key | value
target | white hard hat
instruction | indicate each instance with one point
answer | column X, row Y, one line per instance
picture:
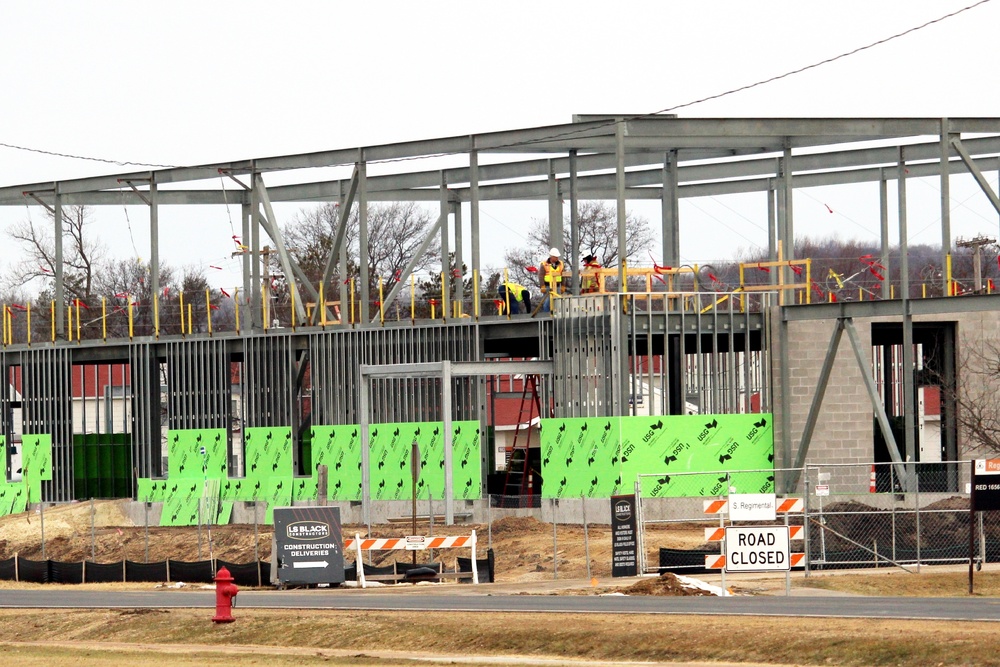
column 554, row 252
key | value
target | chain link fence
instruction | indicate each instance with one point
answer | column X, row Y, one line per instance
column 853, row 515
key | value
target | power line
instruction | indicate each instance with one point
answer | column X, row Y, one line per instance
column 568, row 133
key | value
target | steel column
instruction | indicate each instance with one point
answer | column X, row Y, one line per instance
column 474, row 229
column 363, row 265
column 154, row 238
column 57, row 218
column 555, row 213
column 883, row 208
column 620, row 201
column 909, row 409
column 945, row 204
column 670, row 211
column 445, row 241
column 574, row 225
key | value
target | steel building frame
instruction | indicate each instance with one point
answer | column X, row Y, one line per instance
column 616, row 158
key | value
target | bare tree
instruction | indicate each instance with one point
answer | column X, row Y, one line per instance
column 395, row 232
column 976, row 395
column 82, row 254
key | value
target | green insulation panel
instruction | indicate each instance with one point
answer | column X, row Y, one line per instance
column 268, row 452
column 601, row 457
column 13, row 495
column 185, row 459
column 36, row 456
column 390, row 447
column 339, row 449
column 269, row 468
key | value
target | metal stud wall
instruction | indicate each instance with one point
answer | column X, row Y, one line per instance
column 268, row 376
column 658, row 355
column 148, row 411
column 199, row 386
column 47, row 408
column 586, row 344
column 335, row 359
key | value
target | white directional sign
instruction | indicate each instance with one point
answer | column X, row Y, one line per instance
column 752, row 506
column 757, row 549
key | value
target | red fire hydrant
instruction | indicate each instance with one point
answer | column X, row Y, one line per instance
column 225, row 591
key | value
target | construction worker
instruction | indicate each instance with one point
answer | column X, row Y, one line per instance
column 551, row 278
column 516, row 295
column 589, row 282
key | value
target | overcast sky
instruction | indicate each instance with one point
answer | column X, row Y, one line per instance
column 193, row 82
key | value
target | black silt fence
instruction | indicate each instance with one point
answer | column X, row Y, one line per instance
column 196, row 571
column 247, row 574
column 65, row 573
column 57, row 572
column 151, row 572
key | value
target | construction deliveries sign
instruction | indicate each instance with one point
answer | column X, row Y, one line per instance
column 602, row 456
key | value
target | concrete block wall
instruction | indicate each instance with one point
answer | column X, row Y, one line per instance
column 845, row 428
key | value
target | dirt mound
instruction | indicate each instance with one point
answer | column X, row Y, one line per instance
column 666, row 584
column 517, row 525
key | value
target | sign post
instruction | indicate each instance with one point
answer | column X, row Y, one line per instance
column 985, row 496
column 308, row 545
column 624, row 552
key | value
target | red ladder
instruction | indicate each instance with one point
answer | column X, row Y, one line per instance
column 518, row 482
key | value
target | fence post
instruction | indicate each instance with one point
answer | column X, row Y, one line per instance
column 586, row 536
column 555, row 542
column 93, row 538
column 805, row 519
column 917, row 506
column 489, row 521
column 41, row 523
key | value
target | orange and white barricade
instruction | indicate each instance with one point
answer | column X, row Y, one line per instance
column 411, row 543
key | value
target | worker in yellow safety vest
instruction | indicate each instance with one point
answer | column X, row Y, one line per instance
column 517, row 295
column 551, row 273
column 589, row 282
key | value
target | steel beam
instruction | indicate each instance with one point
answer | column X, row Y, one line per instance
column 412, row 264
column 291, row 269
column 866, row 377
column 338, row 241
column 817, row 403
column 976, row 172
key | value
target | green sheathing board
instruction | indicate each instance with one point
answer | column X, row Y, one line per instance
column 599, row 457
column 185, row 460
column 391, row 475
column 193, row 479
column 268, row 452
column 36, row 464
column 269, row 469
column 13, row 495
column 339, row 449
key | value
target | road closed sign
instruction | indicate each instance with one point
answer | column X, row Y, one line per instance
column 308, row 545
column 757, row 549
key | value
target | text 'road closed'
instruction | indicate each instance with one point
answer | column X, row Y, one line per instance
column 757, row 549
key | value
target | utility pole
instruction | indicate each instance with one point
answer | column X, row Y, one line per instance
column 976, row 244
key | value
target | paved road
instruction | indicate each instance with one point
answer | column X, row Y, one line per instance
column 955, row 609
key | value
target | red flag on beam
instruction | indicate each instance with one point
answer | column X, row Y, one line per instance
column 225, row 293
